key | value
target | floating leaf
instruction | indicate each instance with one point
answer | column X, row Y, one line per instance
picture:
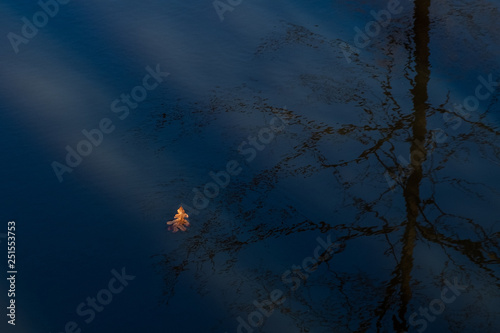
column 180, row 221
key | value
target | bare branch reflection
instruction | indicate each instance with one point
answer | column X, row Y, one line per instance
column 346, row 297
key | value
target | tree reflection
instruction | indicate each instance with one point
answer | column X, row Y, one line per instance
column 360, row 301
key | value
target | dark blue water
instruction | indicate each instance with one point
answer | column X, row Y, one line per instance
column 340, row 175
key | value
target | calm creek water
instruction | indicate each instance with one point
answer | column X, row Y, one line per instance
column 339, row 162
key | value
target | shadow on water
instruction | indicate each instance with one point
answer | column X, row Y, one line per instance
column 433, row 241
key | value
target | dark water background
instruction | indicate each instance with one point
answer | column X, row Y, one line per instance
column 374, row 155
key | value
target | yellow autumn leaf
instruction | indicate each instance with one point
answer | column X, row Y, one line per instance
column 180, row 221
